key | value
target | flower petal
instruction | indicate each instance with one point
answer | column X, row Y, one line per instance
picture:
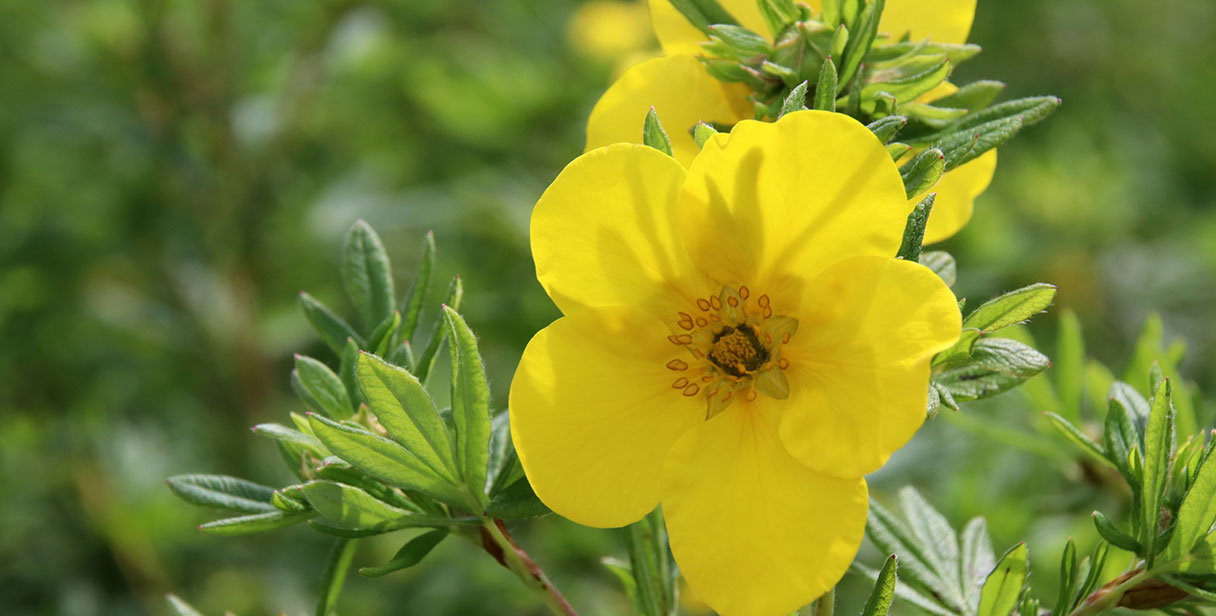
column 680, row 91
column 956, row 193
column 603, row 233
column 943, row 21
column 677, row 36
column 859, row 365
column 752, row 529
column 772, row 199
column 593, row 413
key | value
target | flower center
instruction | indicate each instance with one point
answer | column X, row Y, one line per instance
column 735, row 342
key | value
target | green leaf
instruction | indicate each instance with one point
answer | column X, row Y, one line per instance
column 368, row 275
column 1113, row 535
column 1068, row 580
column 1121, row 439
column 702, row 132
column 222, row 492
column 1004, row 584
column 330, row 327
column 1026, row 110
column 965, row 146
column 996, row 365
column 1135, row 404
column 859, row 43
column 931, row 115
column 285, row 501
column 973, row 96
column 942, row 264
column 825, row 91
column 338, row 471
column 1011, row 308
column 385, row 460
column 414, row 300
column 334, row 576
column 347, row 372
column 426, row 362
column 349, row 507
column 703, row 13
column 922, row 172
column 285, row 434
column 181, row 608
column 796, row 101
column 886, row 128
column 910, row 80
column 653, row 134
column 503, row 467
column 409, row 555
column 1070, row 365
column 977, row 559
column 916, row 563
column 516, row 501
column 831, row 14
column 1158, row 440
column 880, row 599
column 624, row 574
column 470, row 404
column 741, row 40
column 407, row 413
column 381, row 339
column 914, row 230
column 1078, row 438
column 777, row 14
column 320, row 388
column 254, row 523
column 1197, row 514
column 650, row 564
column 933, row 532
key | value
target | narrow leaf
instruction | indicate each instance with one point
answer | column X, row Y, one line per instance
column 914, row 230
column 320, row 388
column 409, row 555
column 880, row 599
column 368, row 275
column 334, row 575
column 1158, row 437
column 222, row 492
column 1011, row 308
column 796, row 101
column 330, row 327
column 470, row 404
column 405, row 410
column 653, row 134
column 825, row 91
column 703, row 13
column 415, row 299
column 349, row 507
column 254, row 523
column 1004, row 584
column 1113, row 535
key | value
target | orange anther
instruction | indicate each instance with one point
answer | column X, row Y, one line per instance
column 680, row 339
column 766, row 311
column 676, row 364
column 680, row 383
column 707, row 378
column 684, row 316
column 701, row 322
column 783, row 363
column 750, row 395
column 763, row 301
column 743, row 292
column 691, row 390
column 703, row 303
column 785, row 339
column 716, row 302
column 733, row 301
column 685, row 324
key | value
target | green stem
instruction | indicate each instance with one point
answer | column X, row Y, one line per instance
column 497, row 541
column 1008, row 435
column 826, row 604
column 335, row 575
column 646, row 543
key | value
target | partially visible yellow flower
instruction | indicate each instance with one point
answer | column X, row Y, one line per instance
column 738, row 343
column 613, row 31
column 683, row 93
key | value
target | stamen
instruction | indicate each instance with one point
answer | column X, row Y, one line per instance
column 783, row 363
column 743, row 292
column 703, row 304
column 680, row 383
column 680, row 339
column 691, row 390
column 676, row 364
column 764, row 301
column 750, row 395
column 701, row 322
column 716, row 302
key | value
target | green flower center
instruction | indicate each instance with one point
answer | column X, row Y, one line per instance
column 737, row 351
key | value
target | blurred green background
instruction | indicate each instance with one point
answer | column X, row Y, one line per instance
column 173, row 172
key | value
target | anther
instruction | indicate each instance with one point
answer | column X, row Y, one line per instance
column 783, row 363
column 676, row 364
column 716, row 302
column 701, row 322
column 763, row 301
column 684, row 316
column 680, row 383
column 744, row 292
column 691, row 390
column 687, row 325
column 680, row 339
column 785, row 339
column 703, row 304
column 734, row 303
column 766, row 311
column 707, row 378
column 750, row 395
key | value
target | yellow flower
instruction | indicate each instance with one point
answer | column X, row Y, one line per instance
column 683, row 93
column 613, row 31
column 738, row 343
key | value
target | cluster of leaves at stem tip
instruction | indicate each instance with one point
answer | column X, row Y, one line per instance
column 373, row 454
column 837, row 60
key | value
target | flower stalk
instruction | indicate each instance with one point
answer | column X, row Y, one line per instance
column 499, row 544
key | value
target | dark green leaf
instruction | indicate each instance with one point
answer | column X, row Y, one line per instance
column 1068, row 580
column 381, row 339
column 222, row 492
column 368, row 275
column 1004, row 584
column 503, row 467
column 254, row 523
column 703, row 13
column 1078, row 438
column 349, row 507
column 922, row 172
column 409, row 555
column 777, row 14
column 859, row 43
column 942, row 264
column 886, row 128
column 1158, row 437
column 426, row 362
column 414, row 300
column 879, row 602
column 1011, row 308
column 1197, row 514
column 825, row 91
column 515, row 502
column 1113, row 535
column 796, row 101
column 914, row 230
column 320, row 388
column 334, row 576
column 330, row 327
column 470, row 404
column 653, row 134
column 973, row 96
column 740, row 39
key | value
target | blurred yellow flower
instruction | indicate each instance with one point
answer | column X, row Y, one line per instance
column 737, row 344
column 613, row 31
column 683, row 93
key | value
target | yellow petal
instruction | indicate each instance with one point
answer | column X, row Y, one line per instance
column 609, row 29
column 859, row 365
column 593, row 413
column 680, row 91
column 752, row 529
column 603, row 233
column 956, row 193
column 677, row 36
column 775, row 203
column 943, row 21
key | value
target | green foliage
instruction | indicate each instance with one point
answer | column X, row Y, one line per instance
column 653, row 134
column 914, row 230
